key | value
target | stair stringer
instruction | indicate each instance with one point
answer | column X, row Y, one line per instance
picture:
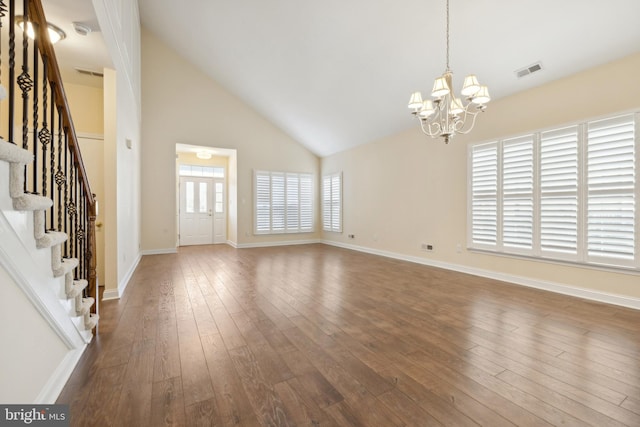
column 31, row 271
column 26, row 254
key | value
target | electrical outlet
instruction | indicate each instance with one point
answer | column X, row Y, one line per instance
column 352, row 236
column 426, row 247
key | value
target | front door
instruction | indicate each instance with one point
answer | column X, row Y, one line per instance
column 196, row 211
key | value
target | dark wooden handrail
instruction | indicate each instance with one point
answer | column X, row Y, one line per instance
column 36, row 15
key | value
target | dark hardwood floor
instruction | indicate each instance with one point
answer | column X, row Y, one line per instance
column 319, row 336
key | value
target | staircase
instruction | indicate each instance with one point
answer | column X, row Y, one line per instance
column 71, row 292
column 47, row 209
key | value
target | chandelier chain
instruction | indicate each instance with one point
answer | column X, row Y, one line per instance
column 448, row 69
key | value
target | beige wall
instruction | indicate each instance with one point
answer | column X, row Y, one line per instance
column 120, row 27
column 182, row 105
column 31, row 352
column 408, row 189
column 87, row 108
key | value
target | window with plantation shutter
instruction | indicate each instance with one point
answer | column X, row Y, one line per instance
column 332, row 202
column 484, row 195
column 263, row 202
column 283, row 202
column 566, row 194
column 559, row 192
column 278, row 213
column 611, row 189
column 306, row 202
column 517, row 192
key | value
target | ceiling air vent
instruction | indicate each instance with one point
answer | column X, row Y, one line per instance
column 529, row 70
column 89, row 72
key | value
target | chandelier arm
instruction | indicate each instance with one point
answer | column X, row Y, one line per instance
column 430, row 128
column 464, row 121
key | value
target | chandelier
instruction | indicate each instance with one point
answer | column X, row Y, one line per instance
column 447, row 115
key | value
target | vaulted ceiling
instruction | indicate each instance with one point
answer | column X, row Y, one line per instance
column 338, row 73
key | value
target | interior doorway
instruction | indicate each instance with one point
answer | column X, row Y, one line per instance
column 205, row 195
column 92, row 149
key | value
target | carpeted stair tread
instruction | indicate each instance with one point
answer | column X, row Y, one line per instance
column 85, row 306
column 50, row 239
column 13, row 154
column 91, row 321
column 66, row 266
column 76, row 288
column 31, row 202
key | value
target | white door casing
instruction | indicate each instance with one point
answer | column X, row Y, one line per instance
column 92, row 148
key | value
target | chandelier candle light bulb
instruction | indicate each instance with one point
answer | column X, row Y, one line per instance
column 447, row 115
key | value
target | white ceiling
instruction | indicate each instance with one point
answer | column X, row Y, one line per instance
column 76, row 51
column 338, row 73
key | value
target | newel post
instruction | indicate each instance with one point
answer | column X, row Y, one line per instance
column 91, row 255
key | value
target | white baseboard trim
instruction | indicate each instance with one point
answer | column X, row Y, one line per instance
column 110, row 294
column 160, row 251
column 270, row 244
column 232, row 244
column 604, row 297
column 52, row 389
column 117, row 293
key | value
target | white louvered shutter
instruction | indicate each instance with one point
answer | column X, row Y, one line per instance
column 517, row 190
column 278, row 202
column 484, row 195
column 326, row 203
column 611, row 180
column 332, row 202
column 559, row 192
column 293, row 201
column 336, row 202
column 306, row 202
column 262, row 202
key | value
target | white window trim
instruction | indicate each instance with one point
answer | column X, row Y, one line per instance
column 582, row 257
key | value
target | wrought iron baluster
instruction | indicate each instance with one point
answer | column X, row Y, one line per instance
column 3, row 13
column 78, row 242
column 26, row 84
column 52, row 164
column 60, row 177
column 65, row 211
column 44, row 135
column 35, row 118
column 85, row 224
column 71, row 209
column 12, row 69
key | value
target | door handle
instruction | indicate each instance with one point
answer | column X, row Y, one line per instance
column 209, row 212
